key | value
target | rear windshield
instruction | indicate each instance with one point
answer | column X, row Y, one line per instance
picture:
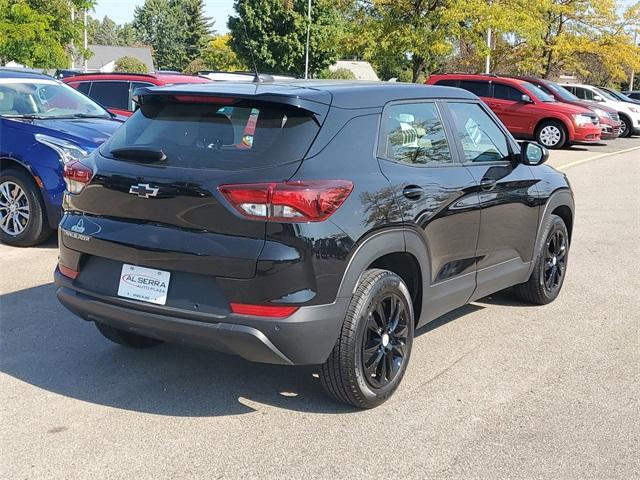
column 216, row 136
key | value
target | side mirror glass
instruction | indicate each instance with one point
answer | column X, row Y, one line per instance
column 526, row 99
column 534, row 153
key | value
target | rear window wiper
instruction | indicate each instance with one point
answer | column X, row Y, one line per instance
column 142, row 154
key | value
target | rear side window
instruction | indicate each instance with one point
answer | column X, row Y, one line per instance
column 448, row 83
column 582, row 93
column 505, row 92
column 482, row 140
column 413, row 133
column 481, row 89
column 244, row 135
column 111, row 94
column 81, row 87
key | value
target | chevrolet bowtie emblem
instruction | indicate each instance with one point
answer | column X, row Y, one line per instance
column 143, row 190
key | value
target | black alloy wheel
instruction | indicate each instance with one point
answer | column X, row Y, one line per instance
column 384, row 341
column 555, row 261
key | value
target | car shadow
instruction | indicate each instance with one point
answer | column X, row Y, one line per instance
column 46, row 346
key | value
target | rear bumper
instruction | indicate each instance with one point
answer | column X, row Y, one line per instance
column 305, row 338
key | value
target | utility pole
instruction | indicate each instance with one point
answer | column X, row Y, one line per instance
column 487, row 63
column 306, row 62
column 85, row 40
column 633, row 71
column 73, row 53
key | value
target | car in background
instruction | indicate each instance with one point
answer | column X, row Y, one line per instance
column 115, row 90
column 635, row 94
column 222, row 76
column 45, row 127
column 629, row 113
column 527, row 111
column 619, row 95
column 610, row 124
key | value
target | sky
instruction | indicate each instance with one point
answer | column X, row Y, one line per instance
column 121, row 11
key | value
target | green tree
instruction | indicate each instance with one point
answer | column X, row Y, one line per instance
column 40, row 33
column 106, row 33
column 196, row 29
column 218, row 55
column 130, row 65
column 276, row 32
column 337, row 74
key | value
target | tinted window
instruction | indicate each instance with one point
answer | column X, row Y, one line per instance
column 634, row 95
column 538, row 92
column 134, row 85
column 482, row 140
column 582, row 93
column 82, row 87
column 413, row 133
column 448, row 83
column 246, row 134
column 481, row 89
column 505, row 92
column 111, row 94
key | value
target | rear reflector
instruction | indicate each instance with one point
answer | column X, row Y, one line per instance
column 76, row 176
column 68, row 272
column 299, row 201
column 262, row 310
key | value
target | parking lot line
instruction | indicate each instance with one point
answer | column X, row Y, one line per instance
column 596, row 157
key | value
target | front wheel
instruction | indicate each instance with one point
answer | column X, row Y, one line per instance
column 371, row 355
column 550, row 269
column 625, row 126
column 551, row 134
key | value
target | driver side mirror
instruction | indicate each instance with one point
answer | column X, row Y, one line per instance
column 532, row 153
column 526, row 98
column 598, row 98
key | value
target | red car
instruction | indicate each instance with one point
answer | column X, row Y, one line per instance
column 527, row 111
column 114, row 90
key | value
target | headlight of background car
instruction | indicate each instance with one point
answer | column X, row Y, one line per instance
column 581, row 120
column 68, row 151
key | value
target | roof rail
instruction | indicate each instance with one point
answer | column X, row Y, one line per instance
column 80, row 74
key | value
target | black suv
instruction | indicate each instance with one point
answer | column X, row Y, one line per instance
column 307, row 223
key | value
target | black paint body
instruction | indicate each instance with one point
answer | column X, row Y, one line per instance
column 455, row 243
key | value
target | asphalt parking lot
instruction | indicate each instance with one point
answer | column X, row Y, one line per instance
column 495, row 390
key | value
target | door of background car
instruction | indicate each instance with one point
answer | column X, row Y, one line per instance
column 112, row 94
column 507, row 197
column 437, row 197
column 506, row 102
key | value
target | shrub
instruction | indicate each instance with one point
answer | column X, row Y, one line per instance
column 338, row 74
column 130, row 65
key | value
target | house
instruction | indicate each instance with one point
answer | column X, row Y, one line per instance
column 105, row 56
column 362, row 70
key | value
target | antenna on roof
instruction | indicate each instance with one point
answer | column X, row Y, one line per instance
column 256, row 78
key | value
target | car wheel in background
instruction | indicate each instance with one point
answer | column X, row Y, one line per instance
column 23, row 221
column 126, row 339
column 372, row 352
column 549, row 272
column 551, row 134
column 625, row 126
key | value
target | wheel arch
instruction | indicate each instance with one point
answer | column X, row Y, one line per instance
column 568, row 128
column 9, row 162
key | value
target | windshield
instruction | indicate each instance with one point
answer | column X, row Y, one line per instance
column 622, row 96
column 563, row 93
column 538, row 92
column 606, row 95
column 247, row 134
column 21, row 98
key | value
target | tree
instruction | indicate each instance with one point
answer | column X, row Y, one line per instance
column 177, row 30
column 337, row 74
column 106, row 33
column 276, row 33
column 218, row 55
column 40, row 33
column 130, row 65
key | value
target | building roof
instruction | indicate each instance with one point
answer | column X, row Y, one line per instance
column 362, row 70
column 103, row 55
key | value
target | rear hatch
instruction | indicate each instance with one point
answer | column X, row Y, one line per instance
column 153, row 199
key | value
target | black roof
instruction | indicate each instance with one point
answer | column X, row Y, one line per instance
column 19, row 73
column 343, row 94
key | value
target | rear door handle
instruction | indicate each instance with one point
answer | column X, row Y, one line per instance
column 487, row 183
column 413, row 192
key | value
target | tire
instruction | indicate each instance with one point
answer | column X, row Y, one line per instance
column 363, row 343
column 128, row 339
column 552, row 134
column 19, row 196
column 625, row 128
column 551, row 260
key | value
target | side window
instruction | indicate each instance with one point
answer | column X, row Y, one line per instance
column 505, row 92
column 134, row 85
column 481, row 89
column 83, row 87
column 448, row 83
column 482, row 140
column 111, row 94
column 413, row 133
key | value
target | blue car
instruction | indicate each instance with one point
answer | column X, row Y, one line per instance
column 45, row 125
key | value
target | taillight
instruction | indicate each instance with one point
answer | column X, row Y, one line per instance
column 68, row 272
column 271, row 311
column 76, row 176
column 300, row 201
